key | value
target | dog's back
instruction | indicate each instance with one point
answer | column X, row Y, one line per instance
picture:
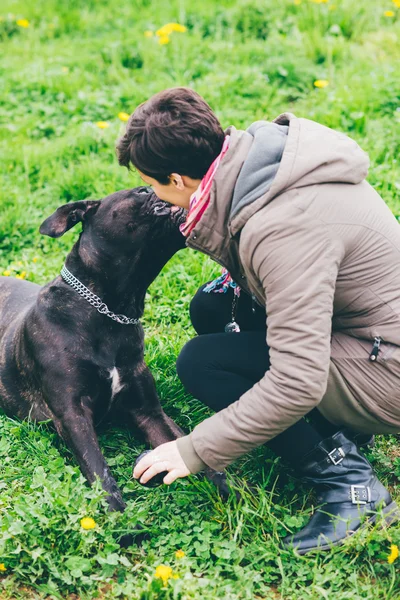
column 15, row 296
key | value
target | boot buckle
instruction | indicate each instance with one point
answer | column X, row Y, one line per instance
column 336, row 456
column 356, row 495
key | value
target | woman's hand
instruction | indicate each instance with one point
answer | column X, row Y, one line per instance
column 164, row 458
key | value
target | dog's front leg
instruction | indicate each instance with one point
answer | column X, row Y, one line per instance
column 139, row 406
column 74, row 423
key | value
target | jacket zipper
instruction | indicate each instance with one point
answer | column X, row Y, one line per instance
column 253, row 303
column 375, row 350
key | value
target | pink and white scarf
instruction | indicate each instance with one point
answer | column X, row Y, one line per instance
column 200, row 199
column 199, row 202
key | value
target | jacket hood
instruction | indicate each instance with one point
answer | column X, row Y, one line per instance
column 262, row 163
column 291, row 153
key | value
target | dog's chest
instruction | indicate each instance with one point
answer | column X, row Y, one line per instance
column 107, row 386
column 116, row 382
column 112, row 373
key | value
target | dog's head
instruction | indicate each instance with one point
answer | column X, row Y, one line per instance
column 124, row 225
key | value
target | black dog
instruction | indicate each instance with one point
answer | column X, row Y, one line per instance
column 61, row 355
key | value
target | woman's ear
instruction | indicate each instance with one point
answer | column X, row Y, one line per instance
column 177, row 181
column 67, row 216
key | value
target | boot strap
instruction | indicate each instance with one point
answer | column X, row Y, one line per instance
column 336, row 456
column 323, row 458
column 357, row 494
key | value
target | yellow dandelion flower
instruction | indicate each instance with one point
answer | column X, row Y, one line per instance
column 321, row 83
column 164, row 39
column 163, row 572
column 388, row 13
column 179, row 554
column 22, row 275
column 102, row 124
column 148, row 34
column 23, row 23
column 396, row 3
column 297, row 2
column 88, row 523
column 169, row 28
column 178, row 27
column 7, row 273
column 35, row 259
column 123, row 116
column 394, row 554
column 163, row 31
column 2, row 567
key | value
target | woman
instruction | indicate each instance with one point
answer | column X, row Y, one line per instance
column 285, row 208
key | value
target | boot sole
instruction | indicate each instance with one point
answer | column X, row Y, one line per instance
column 391, row 513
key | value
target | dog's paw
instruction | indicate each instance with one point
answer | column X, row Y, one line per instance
column 135, row 538
column 219, row 480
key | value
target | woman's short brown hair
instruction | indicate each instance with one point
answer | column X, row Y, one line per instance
column 174, row 131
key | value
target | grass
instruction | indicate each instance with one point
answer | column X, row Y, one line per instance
column 80, row 62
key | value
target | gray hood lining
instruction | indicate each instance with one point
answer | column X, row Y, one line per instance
column 261, row 165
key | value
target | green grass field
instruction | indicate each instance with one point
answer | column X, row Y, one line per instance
column 68, row 67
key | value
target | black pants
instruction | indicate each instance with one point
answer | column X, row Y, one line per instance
column 217, row 367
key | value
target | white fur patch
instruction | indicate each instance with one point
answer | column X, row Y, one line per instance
column 116, row 385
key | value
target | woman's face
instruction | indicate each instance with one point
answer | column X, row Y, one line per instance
column 178, row 191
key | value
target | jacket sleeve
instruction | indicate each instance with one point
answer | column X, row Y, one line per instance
column 297, row 264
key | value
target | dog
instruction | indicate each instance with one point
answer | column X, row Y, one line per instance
column 73, row 351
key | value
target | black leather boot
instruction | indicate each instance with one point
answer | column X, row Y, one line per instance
column 362, row 440
column 348, row 492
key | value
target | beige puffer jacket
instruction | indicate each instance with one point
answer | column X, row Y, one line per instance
column 319, row 247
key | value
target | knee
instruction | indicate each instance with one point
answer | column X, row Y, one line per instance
column 199, row 310
column 188, row 366
column 209, row 312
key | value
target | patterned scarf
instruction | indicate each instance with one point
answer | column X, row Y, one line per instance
column 199, row 202
column 222, row 284
column 200, row 199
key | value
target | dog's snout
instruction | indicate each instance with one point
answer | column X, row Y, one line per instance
column 179, row 215
column 162, row 209
column 144, row 189
column 176, row 213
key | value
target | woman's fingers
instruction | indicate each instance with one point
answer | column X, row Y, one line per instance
column 164, row 458
column 172, row 476
column 156, row 468
column 144, row 464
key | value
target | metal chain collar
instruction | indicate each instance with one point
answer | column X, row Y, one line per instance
column 94, row 300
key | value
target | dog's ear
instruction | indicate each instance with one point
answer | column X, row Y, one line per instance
column 67, row 216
